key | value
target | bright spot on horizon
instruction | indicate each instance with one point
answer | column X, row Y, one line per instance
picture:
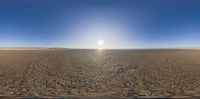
column 100, row 42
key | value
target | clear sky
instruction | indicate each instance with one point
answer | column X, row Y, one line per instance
column 100, row 23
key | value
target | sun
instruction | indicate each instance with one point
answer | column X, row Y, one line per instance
column 100, row 42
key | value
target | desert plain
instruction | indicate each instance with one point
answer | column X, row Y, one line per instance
column 99, row 73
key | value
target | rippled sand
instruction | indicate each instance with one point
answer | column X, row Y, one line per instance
column 95, row 73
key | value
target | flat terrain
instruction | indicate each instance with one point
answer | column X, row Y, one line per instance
column 100, row 73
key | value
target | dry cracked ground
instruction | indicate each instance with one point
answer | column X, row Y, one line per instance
column 99, row 73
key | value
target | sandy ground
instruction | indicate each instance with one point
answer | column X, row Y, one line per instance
column 95, row 73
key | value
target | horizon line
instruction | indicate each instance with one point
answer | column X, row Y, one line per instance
column 40, row 48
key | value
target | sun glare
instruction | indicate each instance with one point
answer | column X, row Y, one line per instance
column 100, row 42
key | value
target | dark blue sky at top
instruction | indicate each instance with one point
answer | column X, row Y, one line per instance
column 77, row 23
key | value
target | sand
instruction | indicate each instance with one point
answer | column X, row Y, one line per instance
column 99, row 73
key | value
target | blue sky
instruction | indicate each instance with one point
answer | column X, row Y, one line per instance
column 82, row 23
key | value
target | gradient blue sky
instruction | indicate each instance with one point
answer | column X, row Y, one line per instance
column 81, row 23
